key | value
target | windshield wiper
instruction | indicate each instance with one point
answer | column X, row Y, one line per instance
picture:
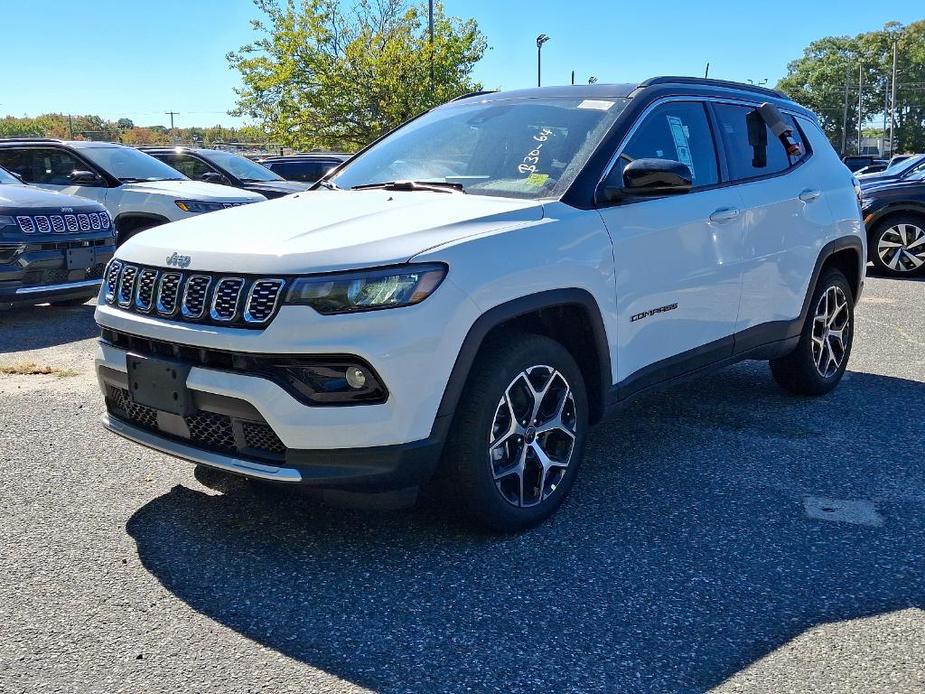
column 432, row 186
column 330, row 185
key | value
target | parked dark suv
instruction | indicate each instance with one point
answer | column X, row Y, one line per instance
column 53, row 247
column 226, row 168
column 307, row 168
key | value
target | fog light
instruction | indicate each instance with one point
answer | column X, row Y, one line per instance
column 356, row 377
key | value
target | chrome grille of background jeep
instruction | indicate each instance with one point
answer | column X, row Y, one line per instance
column 197, row 297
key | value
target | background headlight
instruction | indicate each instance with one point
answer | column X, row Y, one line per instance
column 6, row 221
column 367, row 290
column 197, row 206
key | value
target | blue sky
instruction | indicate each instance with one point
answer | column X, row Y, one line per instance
column 141, row 59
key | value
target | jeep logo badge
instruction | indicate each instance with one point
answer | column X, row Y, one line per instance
column 181, row 261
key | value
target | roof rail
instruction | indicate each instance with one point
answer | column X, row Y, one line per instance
column 30, row 139
column 471, row 94
column 707, row 82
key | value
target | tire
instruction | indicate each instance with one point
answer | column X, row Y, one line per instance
column 499, row 487
column 77, row 301
column 897, row 245
column 819, row 361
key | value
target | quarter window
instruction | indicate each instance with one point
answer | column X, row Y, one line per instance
column 752, row 150
column 678, row 131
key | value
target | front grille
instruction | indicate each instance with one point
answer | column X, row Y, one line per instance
column 127, row 285
column 243, row 302
column 195, row 295
column 226, row 297
column 144, row 293
column 64, row 223
column 209, row 430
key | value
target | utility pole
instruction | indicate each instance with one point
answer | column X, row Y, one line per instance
column 430, row 28
column 844, row 120
column 893, row 101
column 540, row 40
column 860, row 96
column 171, row 114
column 706, row 71
column 573, row 77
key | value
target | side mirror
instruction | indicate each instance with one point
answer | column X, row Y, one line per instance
column 84, row 178
column 648, row 178
column 213, row 177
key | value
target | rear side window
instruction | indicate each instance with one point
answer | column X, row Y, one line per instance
column 678, row 131
column 751, row 148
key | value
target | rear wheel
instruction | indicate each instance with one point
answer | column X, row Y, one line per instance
column 819, row 361
column 518, row 436
column 897, row 245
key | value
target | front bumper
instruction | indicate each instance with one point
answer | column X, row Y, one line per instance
column 41, row 273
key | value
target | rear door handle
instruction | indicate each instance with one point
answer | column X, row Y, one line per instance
column 809, row 195
column 724, row 214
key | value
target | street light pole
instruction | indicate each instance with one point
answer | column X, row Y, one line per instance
column 430, row 28
column 540, row 40
column 893, row 101
column 860, row 96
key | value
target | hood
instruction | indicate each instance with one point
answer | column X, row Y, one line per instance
column 894, row 188
column 323, row 231
column 192, row 190
column 23, row 198
column 274, row 189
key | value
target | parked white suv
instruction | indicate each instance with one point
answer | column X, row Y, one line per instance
column 475, row 290
column 138, row 190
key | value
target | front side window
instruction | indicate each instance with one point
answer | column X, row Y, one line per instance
column 752, row 150
column 520, row 148
column 678, row 131
column 187, row 165
column 45, row 166
column 129, row 165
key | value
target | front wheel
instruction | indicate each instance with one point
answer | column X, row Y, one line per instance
column 819, row 361
column 518, row 436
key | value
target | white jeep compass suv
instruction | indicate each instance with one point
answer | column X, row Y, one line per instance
column 473, row 291
column 138, row 190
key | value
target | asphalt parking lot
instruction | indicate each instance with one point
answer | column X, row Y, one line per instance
column 721, row 535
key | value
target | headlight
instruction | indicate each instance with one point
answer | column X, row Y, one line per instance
column 197, row 206
column 367, row 290
column 6, row 221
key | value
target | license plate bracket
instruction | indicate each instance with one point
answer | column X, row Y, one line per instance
column 81, row 258
column 159, row 384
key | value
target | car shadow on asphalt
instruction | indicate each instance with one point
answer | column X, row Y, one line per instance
column 36, row 327
column 682, row 556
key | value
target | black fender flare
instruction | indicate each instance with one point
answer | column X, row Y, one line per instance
column 160, row 219
column 505, row 312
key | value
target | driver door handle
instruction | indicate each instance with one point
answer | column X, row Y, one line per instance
column 809, row 195
column 724, row 214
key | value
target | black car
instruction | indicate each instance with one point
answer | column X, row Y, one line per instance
column 897, row 170
column 856, row 162
column 227, row 168
column 307, row 168
column 894, row 213
column 53, row 247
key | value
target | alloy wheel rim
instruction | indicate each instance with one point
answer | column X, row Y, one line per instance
column 901, row 247
column 831, row 331
column 532, row 437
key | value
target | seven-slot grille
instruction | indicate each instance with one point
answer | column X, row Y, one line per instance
column 196, row 296
column 63, row 223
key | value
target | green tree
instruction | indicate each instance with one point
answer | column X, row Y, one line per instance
column 320, row 76
column 819, row 78
column 125, row 124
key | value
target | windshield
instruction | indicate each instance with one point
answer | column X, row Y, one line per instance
column 527, row 148
column 241, row 167
column 129, row 164
column 914, row 165
column 8, row 178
